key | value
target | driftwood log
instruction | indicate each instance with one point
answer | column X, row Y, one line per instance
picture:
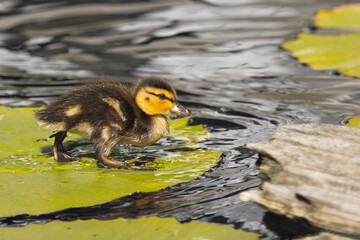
column 312, row 172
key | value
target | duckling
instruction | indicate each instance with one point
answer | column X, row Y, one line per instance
column 108, row 113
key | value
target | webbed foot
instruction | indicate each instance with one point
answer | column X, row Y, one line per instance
column 63, row 157
column 59, row 153
column 117, row 164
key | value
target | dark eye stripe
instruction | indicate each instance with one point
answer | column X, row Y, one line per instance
column 161, row 96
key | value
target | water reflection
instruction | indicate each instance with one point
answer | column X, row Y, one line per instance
column 222, row 56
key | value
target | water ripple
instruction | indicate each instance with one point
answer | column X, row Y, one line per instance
column 222, row 56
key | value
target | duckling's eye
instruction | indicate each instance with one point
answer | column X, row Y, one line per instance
column 162, row 96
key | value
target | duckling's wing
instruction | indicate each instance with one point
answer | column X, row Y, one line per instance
column 88, row 107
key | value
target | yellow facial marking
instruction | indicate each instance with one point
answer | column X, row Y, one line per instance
column 151, row 104
column 114, row 104
column 84, row 129
column 161, row 91
column 74, row 110
column 53, row 126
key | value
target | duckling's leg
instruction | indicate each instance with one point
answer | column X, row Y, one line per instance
column 103, row 149
column 59, row 152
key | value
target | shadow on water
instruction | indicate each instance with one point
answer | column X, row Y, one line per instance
column 222, row 56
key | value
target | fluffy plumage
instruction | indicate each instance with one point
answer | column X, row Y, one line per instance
column 109, row 113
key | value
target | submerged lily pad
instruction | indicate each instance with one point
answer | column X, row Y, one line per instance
column 31, row 182
column 331, row 52
column 143, row 228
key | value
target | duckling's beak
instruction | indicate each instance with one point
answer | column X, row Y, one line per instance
column 180, row 109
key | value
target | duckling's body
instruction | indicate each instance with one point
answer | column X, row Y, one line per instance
column 109, row 113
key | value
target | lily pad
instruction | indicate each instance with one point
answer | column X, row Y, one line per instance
column 143, row 228
column 31, row 182
column 346, row 16
column 331, row 52
column 180, row 129
column 354, row 122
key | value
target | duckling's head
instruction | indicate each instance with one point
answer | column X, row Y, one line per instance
column 155, row 96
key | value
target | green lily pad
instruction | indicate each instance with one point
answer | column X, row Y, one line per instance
column 354, row 122
column 31, row 182
column 346, row 16
column 339, row 52
column 143, row 228
column 180, row 129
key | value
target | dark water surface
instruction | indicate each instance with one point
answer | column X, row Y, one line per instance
column 223, row 56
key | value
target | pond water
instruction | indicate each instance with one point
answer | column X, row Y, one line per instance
column 223, row 57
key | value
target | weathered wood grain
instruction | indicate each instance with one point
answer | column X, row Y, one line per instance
column 313, row 172
column 326, row 236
